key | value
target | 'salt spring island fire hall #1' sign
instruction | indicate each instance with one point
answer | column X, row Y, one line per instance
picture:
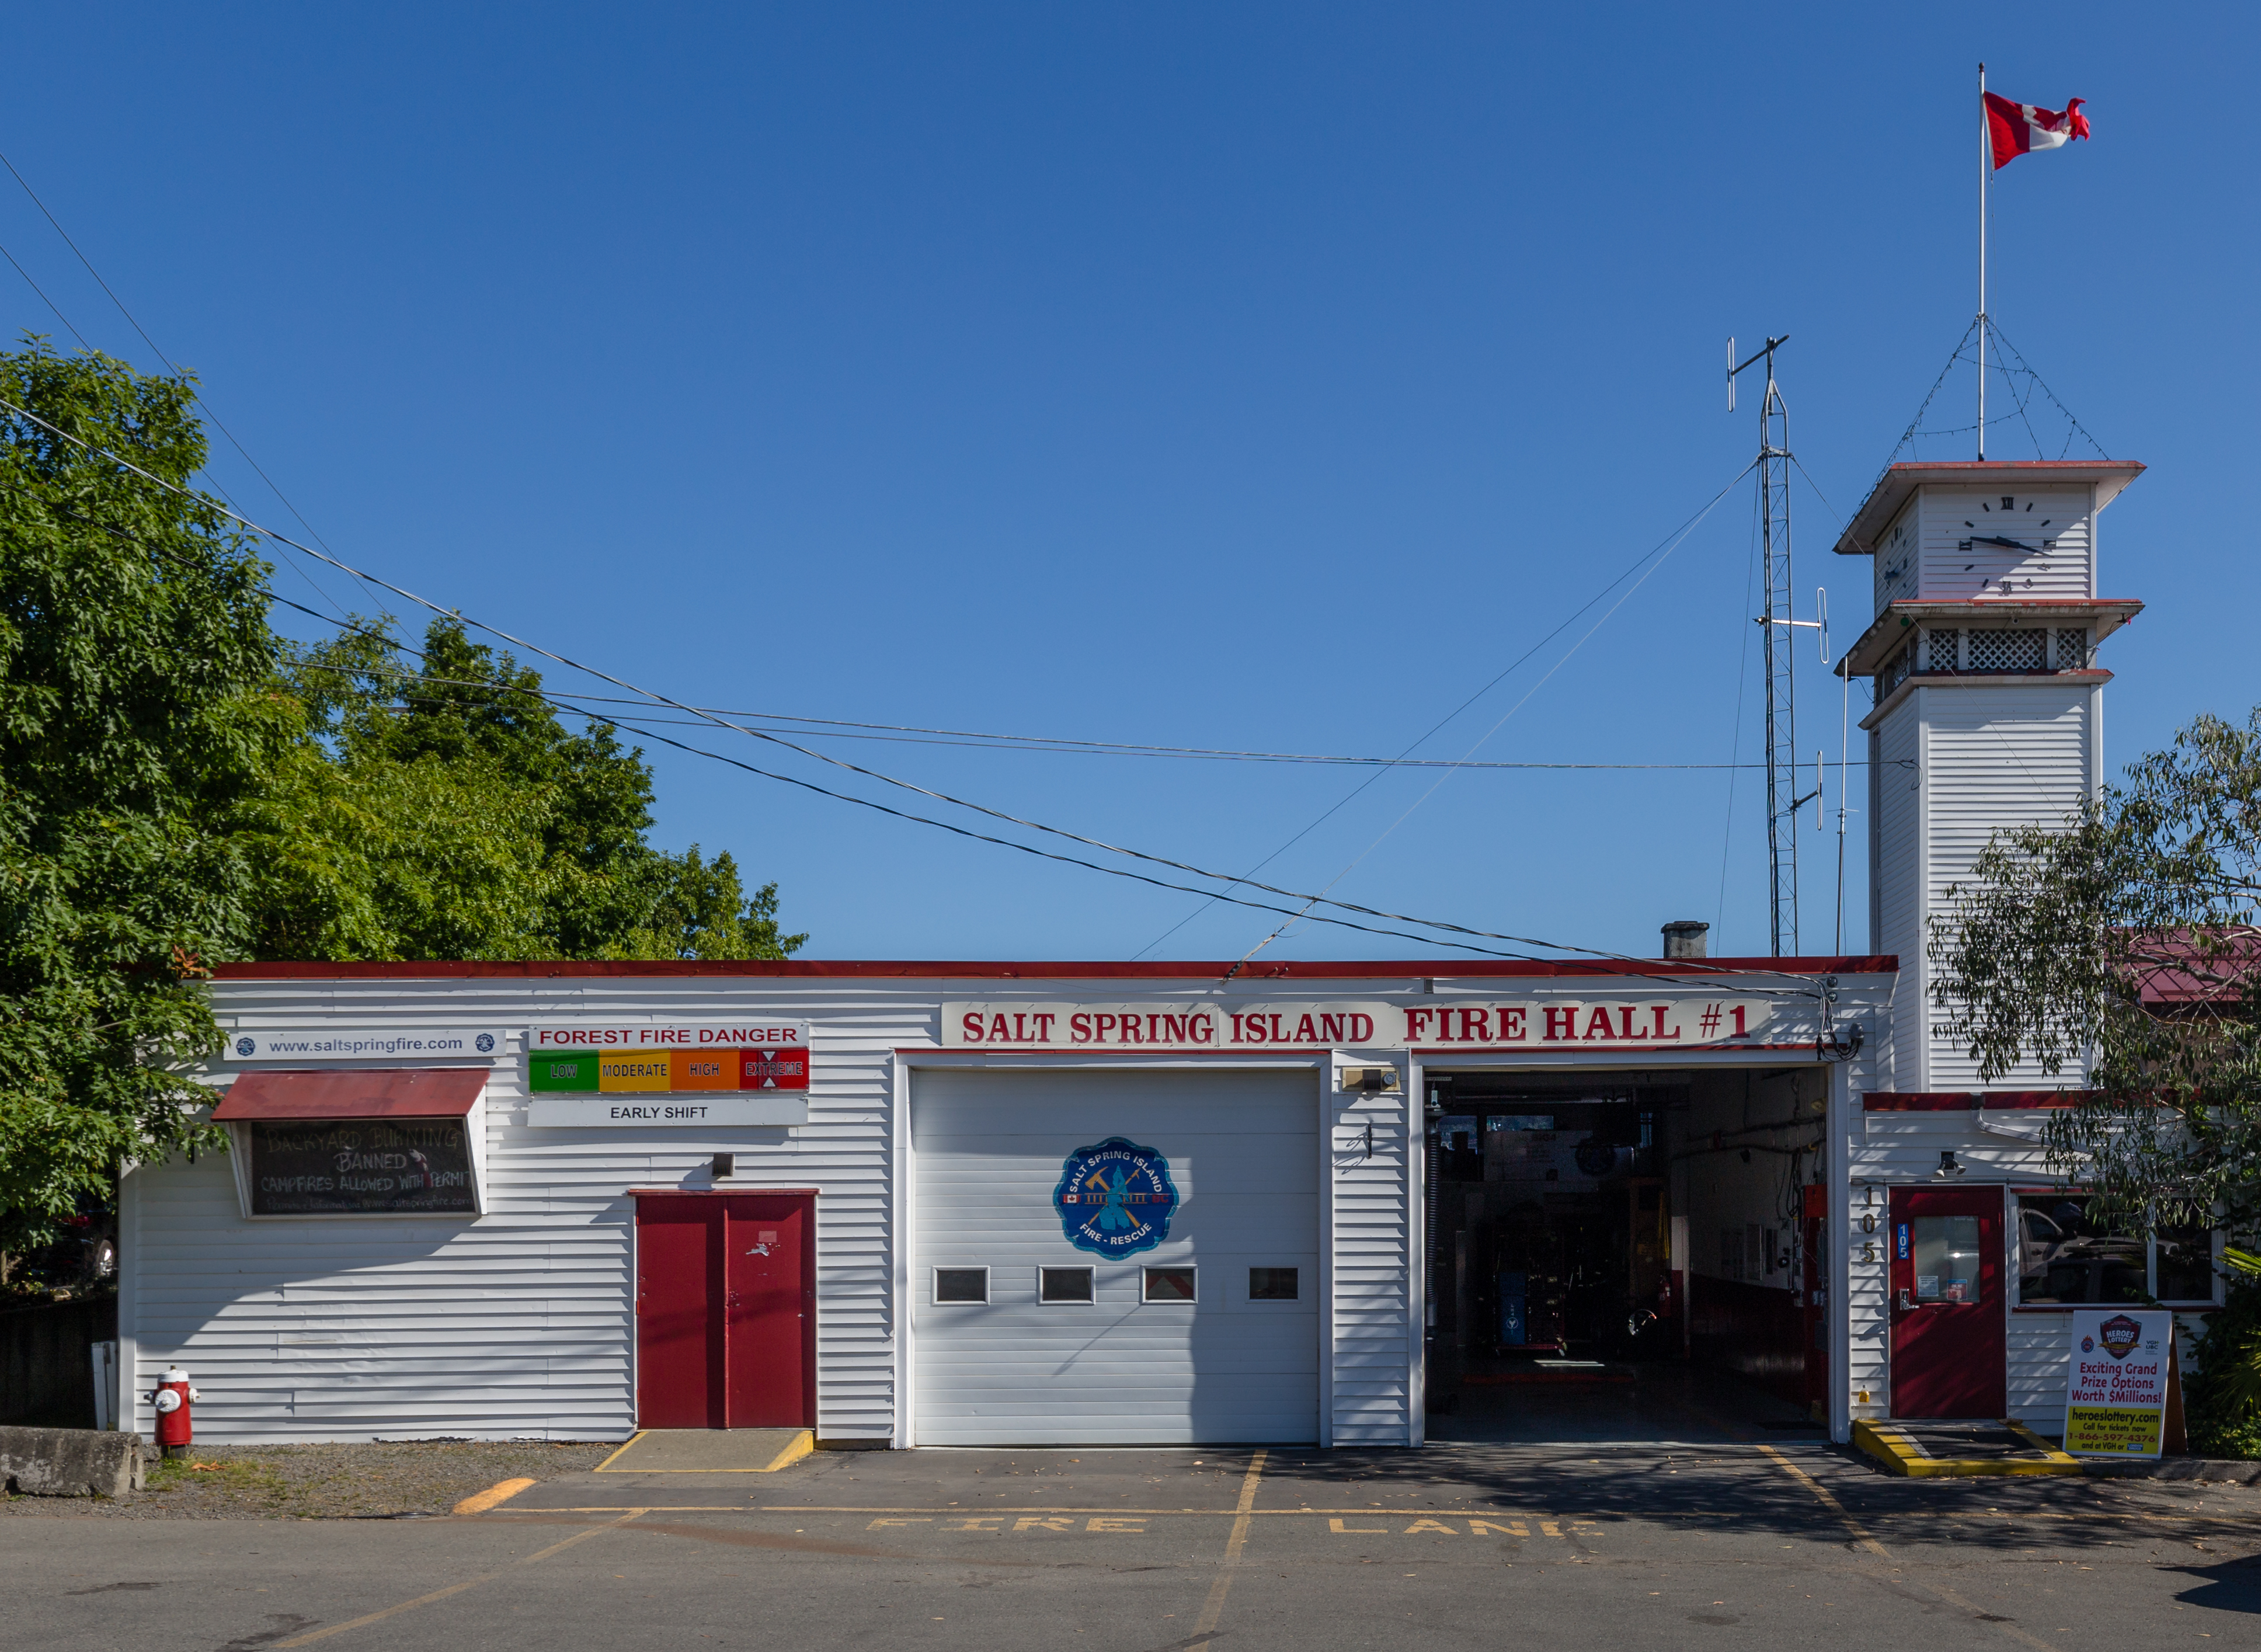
column 1657, row 1020
column 749, row 1072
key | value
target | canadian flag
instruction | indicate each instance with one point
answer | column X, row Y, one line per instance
column 2019, row 129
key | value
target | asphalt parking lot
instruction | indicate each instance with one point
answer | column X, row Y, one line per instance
column 1458, row 1545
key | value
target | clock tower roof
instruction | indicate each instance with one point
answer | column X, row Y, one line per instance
column 1899, row 482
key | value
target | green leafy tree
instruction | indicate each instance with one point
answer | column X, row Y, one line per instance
column 439, row 808
column 139, row 720
column 2130, row 939
column 178, row 789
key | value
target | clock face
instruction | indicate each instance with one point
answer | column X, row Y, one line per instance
column 2007, row 522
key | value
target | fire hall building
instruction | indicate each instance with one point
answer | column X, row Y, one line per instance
column 1096, row 1204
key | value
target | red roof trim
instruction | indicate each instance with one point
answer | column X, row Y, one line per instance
column 863, row 969
column 425, row 1092
column 1965, row 1101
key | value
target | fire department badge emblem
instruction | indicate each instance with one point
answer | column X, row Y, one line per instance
column 1115, row 1199
column 2120, row 1334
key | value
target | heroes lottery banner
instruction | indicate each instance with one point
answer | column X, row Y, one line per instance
column 2116, row 1391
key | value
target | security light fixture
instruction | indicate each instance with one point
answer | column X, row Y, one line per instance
column 1369, row 1080
column 1948, row 1168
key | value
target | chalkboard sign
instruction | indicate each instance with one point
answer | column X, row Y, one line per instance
column 351, row 1166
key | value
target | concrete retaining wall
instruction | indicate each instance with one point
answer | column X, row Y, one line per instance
column 70, row 1462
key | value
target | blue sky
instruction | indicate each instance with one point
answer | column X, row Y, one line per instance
column 1265, row 377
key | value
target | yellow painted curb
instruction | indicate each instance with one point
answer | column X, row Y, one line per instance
column 625, row 1444
column 1892, row 1447
column 494, row 1494
column 799, row 1447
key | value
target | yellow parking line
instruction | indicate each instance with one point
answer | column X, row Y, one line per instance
column 631, row 1441
column 366, row 1618
column 502, row 1491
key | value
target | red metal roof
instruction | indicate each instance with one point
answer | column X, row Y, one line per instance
column 390, row 1092
column 1965, row 1101
column 866, row 969
column 2108, row 477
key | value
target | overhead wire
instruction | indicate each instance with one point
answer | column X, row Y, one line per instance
column 1051, row 746
column 1678, row 539
column 194, row 394
column 1662, row 546
column 1799, row 985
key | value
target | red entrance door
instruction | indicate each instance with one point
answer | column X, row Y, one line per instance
column 726, row 1310
column 1950, row 1325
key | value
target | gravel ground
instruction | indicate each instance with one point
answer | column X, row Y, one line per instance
column 335, row 1481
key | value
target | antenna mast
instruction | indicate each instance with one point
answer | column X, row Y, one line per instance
column 1775, row 623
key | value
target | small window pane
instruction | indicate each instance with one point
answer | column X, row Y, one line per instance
column 1946, row 1259
column 1272, row 1284
column 2062, row 1257
column 2186, row 1264
column 961, row 1284
column 1064, row 1285
column 1169, row 1284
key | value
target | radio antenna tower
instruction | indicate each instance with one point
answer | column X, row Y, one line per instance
column 1774, row 624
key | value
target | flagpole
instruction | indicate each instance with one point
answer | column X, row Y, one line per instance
column 1984, row 144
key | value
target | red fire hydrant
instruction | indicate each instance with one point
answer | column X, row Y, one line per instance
column 172, row 1399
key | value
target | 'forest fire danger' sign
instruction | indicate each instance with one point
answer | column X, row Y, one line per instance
column 744, row 1073
column 1651, row 1020
column 2115, row 1394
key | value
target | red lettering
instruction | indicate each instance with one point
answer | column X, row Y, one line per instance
column 1561, row 1023
column 1305, row 1032
column 1020, row 1027
column 1417, row 1022
column 1741, row 1029
column 1512, row 1027
column 1361, row 1029
column 1101, row 1025
column 1278, row 1036
column 1152, row 1023
column 1475, row 1026
column 1173, row 1028
column 1133, row 1031
column 1079, row 1028
column 999, row 1032
column 1624, row 1021
column 1599, row 1018
column 1044, row 1027
column 1331, row 1028
column 1656, row 1030
column 1203, row 1028
column 1239, row 1035
column 970, row 1025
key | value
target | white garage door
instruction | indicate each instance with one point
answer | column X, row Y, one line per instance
column 1239, row 1362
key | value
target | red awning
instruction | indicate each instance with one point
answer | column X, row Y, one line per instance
column 391, row 1092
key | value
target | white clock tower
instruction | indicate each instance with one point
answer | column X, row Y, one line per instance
column 1989, row 699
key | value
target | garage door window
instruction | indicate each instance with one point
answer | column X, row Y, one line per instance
column 1064, row 1285
column 1169, row 1284
column 961, row 1284
column 1272, row 1284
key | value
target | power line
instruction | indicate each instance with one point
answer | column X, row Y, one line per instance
column 1037, row 744
column 194, row 395
column 1662, row 546
column 1801, row 987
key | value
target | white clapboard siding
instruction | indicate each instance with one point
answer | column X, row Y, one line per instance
column 1243, row 1150
column 1373, row 1263
column 1895, row 874
column 1952, row 571
column 1895, row 560
column 1996, row 757
column 517, row 1323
